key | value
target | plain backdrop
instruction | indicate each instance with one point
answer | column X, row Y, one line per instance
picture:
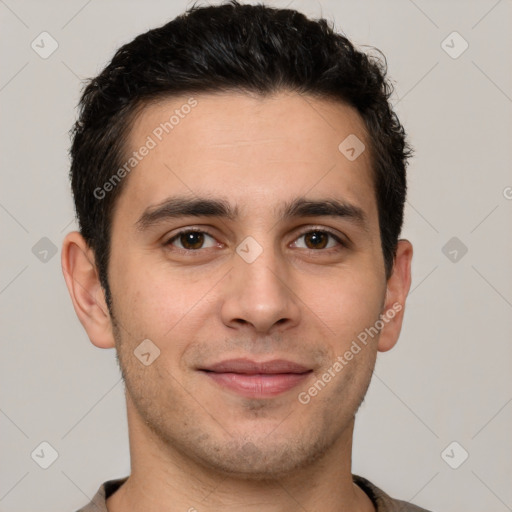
column 443, row 392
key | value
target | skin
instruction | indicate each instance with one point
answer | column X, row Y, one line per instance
column 194, row 444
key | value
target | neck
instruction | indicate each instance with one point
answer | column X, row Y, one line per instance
column 162, row 478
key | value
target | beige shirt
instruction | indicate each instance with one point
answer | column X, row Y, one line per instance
column 381, row 501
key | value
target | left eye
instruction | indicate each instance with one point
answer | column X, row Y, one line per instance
column 318, row 239
column 192, row 240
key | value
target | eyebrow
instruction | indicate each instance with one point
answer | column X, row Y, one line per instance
column 177, row 207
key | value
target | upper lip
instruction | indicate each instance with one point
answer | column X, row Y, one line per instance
column 249, row 367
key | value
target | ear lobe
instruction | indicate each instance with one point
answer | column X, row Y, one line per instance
column 87, row 295
column 398, row 286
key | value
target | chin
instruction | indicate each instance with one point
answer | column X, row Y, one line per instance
column 262, row 461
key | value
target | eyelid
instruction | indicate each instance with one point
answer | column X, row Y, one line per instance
column 325, row 229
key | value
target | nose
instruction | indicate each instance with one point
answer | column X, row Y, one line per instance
column 259, row 295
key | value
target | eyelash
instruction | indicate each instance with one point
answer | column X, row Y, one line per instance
column 342, row 245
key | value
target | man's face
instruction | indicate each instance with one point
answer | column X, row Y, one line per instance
column 259, row 286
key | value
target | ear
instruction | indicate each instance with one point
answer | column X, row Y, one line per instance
column 397, row 289
column 87, row 295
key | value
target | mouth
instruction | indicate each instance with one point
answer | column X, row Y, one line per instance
column 253, row 379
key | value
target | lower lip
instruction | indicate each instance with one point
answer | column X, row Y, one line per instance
column 258, row 385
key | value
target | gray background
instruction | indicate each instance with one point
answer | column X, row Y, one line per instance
column 449, row 377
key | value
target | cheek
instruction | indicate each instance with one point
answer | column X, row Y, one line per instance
column 150, row 302
column 349, row 304
column 138, row 290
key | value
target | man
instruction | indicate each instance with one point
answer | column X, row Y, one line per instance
column 239, row 180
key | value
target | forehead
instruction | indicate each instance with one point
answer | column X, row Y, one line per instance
column 249, row 149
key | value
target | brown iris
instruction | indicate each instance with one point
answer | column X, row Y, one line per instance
column 192, row 240
column 317, row 238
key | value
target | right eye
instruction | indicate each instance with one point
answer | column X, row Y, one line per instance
column 190, row 240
